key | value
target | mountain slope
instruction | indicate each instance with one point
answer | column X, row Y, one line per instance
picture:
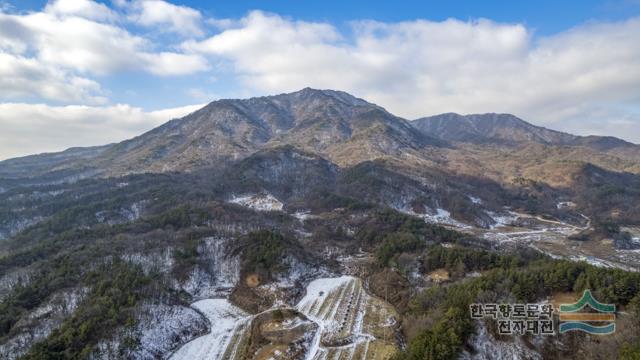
column 505, row 148
column 345, row 131
column 334, row 124
column 483, row 128
column 273, row 200
column 319, row 121
column 507, row 129
column 37, row 165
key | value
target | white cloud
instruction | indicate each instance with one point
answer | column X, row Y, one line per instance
column 419, row 68
column 165, row 16
column 200, row 94
column 84, row 8
column 168, row 63
column 32, row 129
column 22, row 77
column 50, row 54
column 93, row 47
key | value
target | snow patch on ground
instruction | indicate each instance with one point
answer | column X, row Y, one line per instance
column 566, row 204
column 40, row 322
column 259, row 202
column 216, row 275
column 488, row 348
column 439, row 216
column 113, row 217
column 15, row 226
column 9, row 280
column 297, row 271
column 442, row 216
column 592, row 261
column 159, row 330
column 226, row 321
column 316, row 291
column 303, row 215
column 474, row 199
column 159, row 261
column 502, row 220
column 163, row 328
column 339, row 306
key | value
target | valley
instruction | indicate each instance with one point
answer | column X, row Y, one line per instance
column 553, row 238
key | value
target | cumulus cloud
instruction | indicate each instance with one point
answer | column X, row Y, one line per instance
column 22, row 77
column 419, row 68
column 31, row 129
column 88, row 46
column 168, row 63
column 165, row 16
column 52, row 52
column 84, row 8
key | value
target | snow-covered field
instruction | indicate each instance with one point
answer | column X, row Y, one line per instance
column 260, row 202
column 442, row 216
column 228, row 326
column 549, row 236
column 352, row 324
column 437, row 216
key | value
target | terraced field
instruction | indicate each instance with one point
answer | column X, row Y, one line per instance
column 351, row 325
column 229, row 326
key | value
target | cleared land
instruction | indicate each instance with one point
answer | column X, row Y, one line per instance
column 351, row 325
column 229, row 326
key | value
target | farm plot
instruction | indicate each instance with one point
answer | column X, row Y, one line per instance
column 341, row 321
column 353, row 325
column 229, row 327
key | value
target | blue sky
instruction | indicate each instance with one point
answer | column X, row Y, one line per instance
column 547, row 16
column 83, row 72
column 536, row 14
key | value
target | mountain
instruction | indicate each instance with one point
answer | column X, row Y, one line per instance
column 507, row 129
column 337, row 125
column 344, row 130
column 332, row 123
column 313, row 225
column 505, row 148
column 430, row 158
column 484, row 128
column 37, row 165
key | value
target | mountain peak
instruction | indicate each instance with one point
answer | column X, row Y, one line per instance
column 327, row 94
column 508, row 129
column 334, row 124
column 490, row 127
